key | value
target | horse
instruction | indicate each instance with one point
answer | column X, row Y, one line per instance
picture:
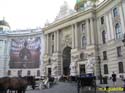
column 17, row 84
column 4, row 84
column 30, row 80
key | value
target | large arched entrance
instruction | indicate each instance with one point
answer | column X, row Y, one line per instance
column 66, row 60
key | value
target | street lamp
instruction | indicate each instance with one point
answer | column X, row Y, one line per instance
column 100, row 73
column 123, row 40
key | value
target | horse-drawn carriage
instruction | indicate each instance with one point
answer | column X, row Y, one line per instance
column 46, row 83
column 86, row 81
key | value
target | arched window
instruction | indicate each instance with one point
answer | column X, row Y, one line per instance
column 38, row 72
column 105, row 69
column 52, row 36
column 83, row 27
column 120, row 66
column 84, row 43
column 115, row 12
column 28, row 73
column 118, row 31
column 103, row 37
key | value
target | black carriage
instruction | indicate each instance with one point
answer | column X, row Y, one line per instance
column 86, row 81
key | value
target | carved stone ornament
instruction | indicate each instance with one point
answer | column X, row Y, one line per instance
column 75, row 58
column 67, row 40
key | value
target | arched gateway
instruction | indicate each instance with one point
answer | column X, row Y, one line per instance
column 66, row 60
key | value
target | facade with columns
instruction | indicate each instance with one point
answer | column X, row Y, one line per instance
column 94, row 30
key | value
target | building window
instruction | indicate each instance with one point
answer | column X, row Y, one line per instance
column 84, row 43
column 104, row 55
column 28, row 73
column 49, row 61
column 82, row 69
column 115, row 12
column 119, row 52
column 9, row 72
column 19, row 73
column 103, row 37
column 52, row 48
column 118, row 31
column 38, row 72
column 102, row 20
column 120, row 66
column 105, row 69
column 82, row 56
column 83, row 28
column 52, row 36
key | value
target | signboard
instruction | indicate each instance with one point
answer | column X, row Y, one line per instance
column 25, row 53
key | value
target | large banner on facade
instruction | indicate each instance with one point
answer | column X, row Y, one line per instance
column 25, row 53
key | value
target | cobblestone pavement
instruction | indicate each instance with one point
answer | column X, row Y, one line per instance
column 61, row 87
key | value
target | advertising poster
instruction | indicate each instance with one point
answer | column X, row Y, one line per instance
column 25, row 53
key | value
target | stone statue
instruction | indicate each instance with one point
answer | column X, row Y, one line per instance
column 90, row 66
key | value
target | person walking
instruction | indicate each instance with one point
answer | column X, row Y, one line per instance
column 114, row 78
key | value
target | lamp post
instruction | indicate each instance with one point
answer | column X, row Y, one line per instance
column 123, row 40
column 100, row 73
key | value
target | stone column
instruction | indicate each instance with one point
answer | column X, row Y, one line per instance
column 73, row 36
column 58, row 40
column 92, row 31
column 46, row 44
column 76, row 36
column 111, row 26
column 108, row 28
column 55, row 42
column 88, row 32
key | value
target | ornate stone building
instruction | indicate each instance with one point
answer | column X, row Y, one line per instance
column 93, row 31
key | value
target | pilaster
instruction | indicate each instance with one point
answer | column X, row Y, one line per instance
column 73, row 36
column 88, row 32
column 122, row 18
column 76, row 35
column 58, row 40
column 55, row 42
column 111, row 26
column 92, row 31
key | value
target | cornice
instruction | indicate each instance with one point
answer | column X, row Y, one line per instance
column 105, row 3
column 68, row 19
column 73, row 18
column 21, row 33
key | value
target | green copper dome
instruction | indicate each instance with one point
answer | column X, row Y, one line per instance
column 80, row 3
column 4, row 23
